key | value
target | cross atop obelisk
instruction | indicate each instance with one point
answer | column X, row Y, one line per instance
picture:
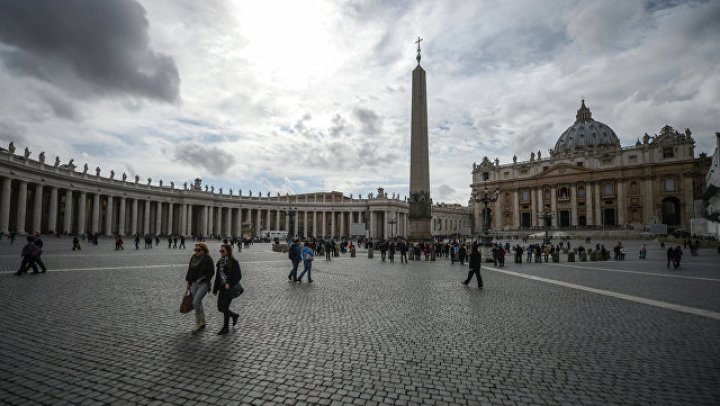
column 419, row 201
column 419, row 40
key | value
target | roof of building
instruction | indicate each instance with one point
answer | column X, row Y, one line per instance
column 586, row 133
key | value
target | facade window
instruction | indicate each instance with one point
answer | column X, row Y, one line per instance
column 546, row 194
column 669, row 185
column 634, row 189
column 563, row 194
column 523, row 172
column 506, row 175
column 633, row 159
column 581, row 192
column 668, row 152
column 526, row 195
column 607, row 188
column 580, row 164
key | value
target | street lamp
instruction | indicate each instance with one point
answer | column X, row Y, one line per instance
column 546, row 215
column 485, row 198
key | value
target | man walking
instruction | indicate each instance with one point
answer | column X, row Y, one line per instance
column 307, row 258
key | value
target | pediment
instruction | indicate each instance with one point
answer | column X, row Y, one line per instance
column 563, row 169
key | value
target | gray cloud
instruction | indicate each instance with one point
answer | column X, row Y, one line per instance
column 11, row 132
column 370, row 121
column 211, row 158
column 86, row 47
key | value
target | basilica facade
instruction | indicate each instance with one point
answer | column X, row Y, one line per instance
column 61, row 198
column 588, row 180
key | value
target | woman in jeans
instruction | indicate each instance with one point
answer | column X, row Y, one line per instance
column 198, row 277
column 227, row 276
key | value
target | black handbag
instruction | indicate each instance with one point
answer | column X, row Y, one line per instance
column 237, row 290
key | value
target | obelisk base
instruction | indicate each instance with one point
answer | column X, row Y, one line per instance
column 419, row 229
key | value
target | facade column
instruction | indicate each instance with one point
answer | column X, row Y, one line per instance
column 81, row 213
column 211, row 221
column 158, row 217
column 533, row 208
column 134, row 218
column 589, row 204
column 37, row 208
column 541, row 205
column 267, row 220
column 205, row 221
column 516, row 209
column 21, row 208
column 67, row 220
column 109, row 216
column 52, row 215
column 277, row 220
column 687, row 193
column 219, row 221
column 553, row 206
column 170, row 222
column 314, row 227
column 5, row 206
column 622, row 205
column 497, row 213
column 95, row 229
column 573, row 205
column 121, row 217
column 296, row 227
column 598, row 216
column 287, row 221
column 385, row 224
column 371, row 225
column 189, row 220
column 146, row 218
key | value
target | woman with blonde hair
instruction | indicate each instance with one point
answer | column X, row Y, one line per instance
column 199, row 275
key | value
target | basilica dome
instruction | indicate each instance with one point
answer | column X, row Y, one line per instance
column 586, row 134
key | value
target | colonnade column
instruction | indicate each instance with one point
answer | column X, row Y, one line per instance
column 258, row 214
column 219, row 221
column 287, row 221
column 158, row 218
column 189, row 220
column 205, row 216
column 134, row 218
column 228, row 223
column 324, row 221
column 37, row 208
column 109, row 216
column 342, row 223
column 183, row 219
column 296, row 229
column 314, row 227
column 67, row 220
column 305, row 224
column 277, row 219
column 385, row 224
column 371, row 225
column 5, row 206
column 332, row 223
column 146, row 218
column 533, row 208
column 170, row 223
column 121, row 217
column 81, row 213
column 238, row 223
column 96, row 214
column 589, row 204
column 210, row 218
column 21, row 208
column 52, row 215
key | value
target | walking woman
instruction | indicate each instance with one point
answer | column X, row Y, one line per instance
column 198, row 277
column 228, row 275
column 474, row 261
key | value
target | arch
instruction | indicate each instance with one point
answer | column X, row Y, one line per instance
column 670, row 209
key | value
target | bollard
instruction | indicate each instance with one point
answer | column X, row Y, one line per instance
column 432, row 256
column 371, row 252
column 352, row 253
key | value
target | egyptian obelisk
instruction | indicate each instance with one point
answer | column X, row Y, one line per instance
column 420, row 203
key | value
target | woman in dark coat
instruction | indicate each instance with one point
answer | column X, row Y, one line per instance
column 198, row 277
column 227, row 276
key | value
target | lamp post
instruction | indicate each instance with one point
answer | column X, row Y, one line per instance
column 546, row 215
column 486, row 198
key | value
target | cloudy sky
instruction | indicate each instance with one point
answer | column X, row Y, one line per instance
column 305, row 96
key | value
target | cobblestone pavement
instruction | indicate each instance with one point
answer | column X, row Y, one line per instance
column 102, row 327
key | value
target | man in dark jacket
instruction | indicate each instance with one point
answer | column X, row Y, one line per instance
column 37, row 253
column 474, row 262
column 294, row 256
column 28, row 257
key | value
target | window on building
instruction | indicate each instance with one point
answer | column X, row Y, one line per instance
column 669, row 185
column 633, row 159
column 580, row 164
column 607, row 188
column 545, row 168
column 546, row 195
column 634, row 189
column 506, row 174
column 526, row 195
column 563, row 193
column 523, row 172
column 668, row 152
column 581, row 192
